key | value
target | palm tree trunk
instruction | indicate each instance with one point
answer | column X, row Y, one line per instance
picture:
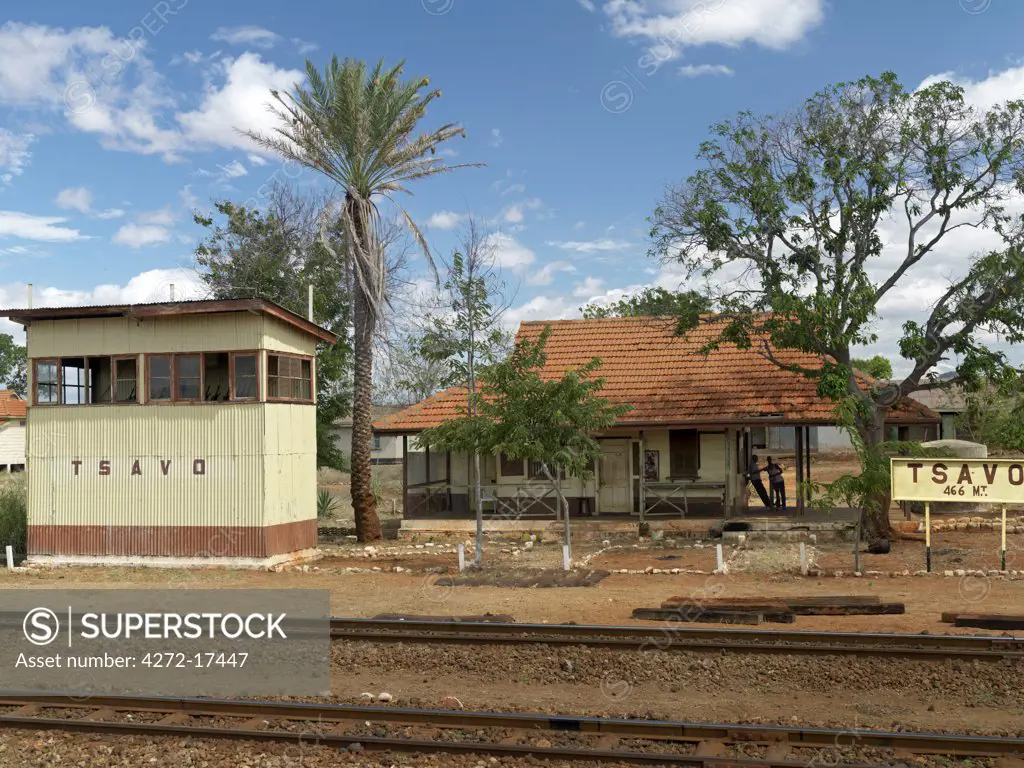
column 363, row 502
column 364, row 505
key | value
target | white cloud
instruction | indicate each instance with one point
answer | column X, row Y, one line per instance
column 233, row 170
column 705, row 69
column 107, row 86
column 240, row 103
column 445, row 220
column 668, row 26
column 996, row 88
column 588, row 287
column 110, row 213
column 187, row 198
column 509, row 253
column 579, row 224
column 75, row 198
column 163, row 217
column 540, row 308
column 496, row 138
column 546, row 274
column 514, row 189
column 256, row 159
column 43, row 228
column 302, row 47
column 193, row 57
column 14, row 153
column 248, row 35
column 590, row 246
column 141, row 235
column 588, row 5
column 515, row 213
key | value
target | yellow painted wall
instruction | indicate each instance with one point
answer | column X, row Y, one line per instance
column 161, row 438
column 289, row 446
column 282, row 337
column 126, row 336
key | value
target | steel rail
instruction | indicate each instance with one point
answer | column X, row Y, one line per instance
column 971, row 647
column 667, row 730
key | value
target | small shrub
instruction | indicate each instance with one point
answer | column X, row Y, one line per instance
column 377, row 486
column 325, row 504
column 14, row 515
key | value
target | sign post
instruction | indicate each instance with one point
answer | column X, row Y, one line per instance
column 928, row 537
column 984, row 481
column 1002, row 560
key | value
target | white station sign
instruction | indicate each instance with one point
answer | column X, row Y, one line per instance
column 993, row 481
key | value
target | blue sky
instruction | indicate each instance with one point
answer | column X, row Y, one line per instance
column 116, row 119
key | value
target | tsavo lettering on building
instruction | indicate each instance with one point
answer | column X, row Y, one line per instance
column 138, row 467
column 996, row 481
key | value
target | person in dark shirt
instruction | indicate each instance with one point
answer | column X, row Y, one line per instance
column 753, row 475
column 776, row 484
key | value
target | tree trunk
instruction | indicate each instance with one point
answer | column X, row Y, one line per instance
column 875, row 514
column 363, row 503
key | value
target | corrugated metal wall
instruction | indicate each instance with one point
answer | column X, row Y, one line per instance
column 290, row 462
column 198, row 465
column 126, row 336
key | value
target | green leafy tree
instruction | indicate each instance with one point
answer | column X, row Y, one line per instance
column 13, row 365
column 276, row 255
column 468, row 334
column 796, row 204
column 654, row 302
column 358, row 128
column 524, row 416
column 995, row 417
column 878, row 367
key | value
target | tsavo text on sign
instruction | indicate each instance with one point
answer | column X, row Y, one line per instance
column 994, row 481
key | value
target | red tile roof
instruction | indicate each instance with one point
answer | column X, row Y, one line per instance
column 667, row 380
column 11, row 405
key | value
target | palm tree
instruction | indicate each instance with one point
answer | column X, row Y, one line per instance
column 357, row 128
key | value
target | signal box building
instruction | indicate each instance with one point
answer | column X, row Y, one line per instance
column 171, row 434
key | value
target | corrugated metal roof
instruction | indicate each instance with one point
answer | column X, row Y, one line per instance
column 170, row 309
column 667, row 379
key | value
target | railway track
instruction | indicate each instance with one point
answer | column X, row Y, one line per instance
column 639, row 742
column 968, row 647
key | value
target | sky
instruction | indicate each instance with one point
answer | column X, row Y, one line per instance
column 119, row 119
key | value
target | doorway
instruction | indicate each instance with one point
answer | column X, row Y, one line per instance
column 614, row 486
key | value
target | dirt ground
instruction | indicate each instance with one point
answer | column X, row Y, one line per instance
column 611, row 601
column 388, row 485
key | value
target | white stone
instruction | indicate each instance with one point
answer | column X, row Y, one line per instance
column 948, row 574
column 606, row 543
column 959, row 573
column 529, row 544
column 367, row 697
column 385, row 697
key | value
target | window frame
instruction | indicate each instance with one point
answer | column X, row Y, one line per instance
column 175, row 379
column 312, row 379
column 149, row 378
column 114, row 360
column 35, row 380
column 689, row 473
column 232, row 376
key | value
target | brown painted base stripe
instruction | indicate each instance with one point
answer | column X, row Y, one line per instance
column 171, row 541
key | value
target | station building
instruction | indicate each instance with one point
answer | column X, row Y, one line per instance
column 677, row 460
column 171, row 434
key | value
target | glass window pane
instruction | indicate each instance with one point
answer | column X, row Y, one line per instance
column 159, row 378
column 126, row 380
column 188, row 366
column 245, row 365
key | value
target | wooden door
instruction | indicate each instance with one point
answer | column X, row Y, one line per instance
column 614, row 494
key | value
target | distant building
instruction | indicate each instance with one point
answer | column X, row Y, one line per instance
column 385, row 449
column 171, row 434
column 12, row 431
